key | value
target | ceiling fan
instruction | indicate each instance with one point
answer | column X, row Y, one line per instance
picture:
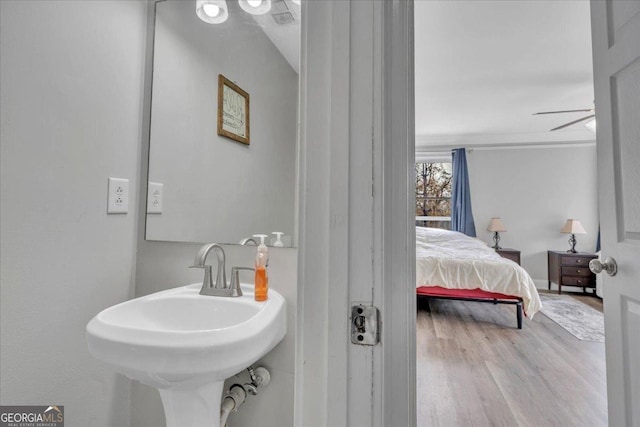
column 586, row 110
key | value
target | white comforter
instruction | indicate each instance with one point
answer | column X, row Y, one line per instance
column 453, row 260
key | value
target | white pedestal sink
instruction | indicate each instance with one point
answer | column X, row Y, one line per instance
column 186, row 345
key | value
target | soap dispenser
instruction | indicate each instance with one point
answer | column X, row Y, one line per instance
column 261, row 278
column 278, row 243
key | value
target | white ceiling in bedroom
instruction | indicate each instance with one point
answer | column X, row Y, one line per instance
column 482, row 68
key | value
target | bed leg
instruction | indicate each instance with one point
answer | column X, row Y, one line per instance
column 519, row 314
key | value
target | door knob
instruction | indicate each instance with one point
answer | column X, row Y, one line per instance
column 609, row 265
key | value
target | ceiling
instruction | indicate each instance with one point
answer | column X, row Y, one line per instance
column 482, row 68
column 283, row 33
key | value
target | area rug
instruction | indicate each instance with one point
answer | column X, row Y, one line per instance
column 580, row 320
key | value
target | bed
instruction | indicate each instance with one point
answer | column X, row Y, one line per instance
column 451, row 265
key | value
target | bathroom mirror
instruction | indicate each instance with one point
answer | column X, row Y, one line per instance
column 206, row 187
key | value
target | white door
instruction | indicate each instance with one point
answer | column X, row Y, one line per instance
column 616, row 61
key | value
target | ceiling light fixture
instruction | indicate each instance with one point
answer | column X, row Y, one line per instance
column 255, row 7
column 212, row 11
column 216, row 11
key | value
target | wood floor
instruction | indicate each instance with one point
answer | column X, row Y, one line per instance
column 474, row 368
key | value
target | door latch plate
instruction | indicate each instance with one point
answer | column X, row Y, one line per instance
column 365, row 325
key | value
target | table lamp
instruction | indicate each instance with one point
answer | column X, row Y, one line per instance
column 573, row 227
column 496, row 226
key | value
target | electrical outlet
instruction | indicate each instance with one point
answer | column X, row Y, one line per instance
column 118, row 196
column 155, row 197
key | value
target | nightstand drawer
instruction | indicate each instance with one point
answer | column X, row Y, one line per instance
column 576, row 271
column 587, row 282
column 570, row 269
column 575, row 261
column 512, row 254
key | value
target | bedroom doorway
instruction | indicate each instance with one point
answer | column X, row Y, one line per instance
column 389, row 376
column 481, row 95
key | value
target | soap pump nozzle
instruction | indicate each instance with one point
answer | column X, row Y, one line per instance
column 278, row 243
column 261, row 237
column 262, row 256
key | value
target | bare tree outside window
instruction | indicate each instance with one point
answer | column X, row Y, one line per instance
column 433, row 195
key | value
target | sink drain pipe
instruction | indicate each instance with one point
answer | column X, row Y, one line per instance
column 237, row 393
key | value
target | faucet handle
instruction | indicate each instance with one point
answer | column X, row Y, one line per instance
column 207, row 282
column 235, row 279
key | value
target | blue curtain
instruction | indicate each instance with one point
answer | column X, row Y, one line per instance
column 461, row 215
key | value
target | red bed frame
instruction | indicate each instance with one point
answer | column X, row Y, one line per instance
column 438, row 292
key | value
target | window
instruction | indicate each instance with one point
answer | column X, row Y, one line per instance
column 433, row 195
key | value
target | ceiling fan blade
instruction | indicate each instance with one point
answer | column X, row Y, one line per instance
column 589, row 110
column 573, row 122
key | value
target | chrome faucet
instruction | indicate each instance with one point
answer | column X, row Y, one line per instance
column 248, row 240
column 219, row 287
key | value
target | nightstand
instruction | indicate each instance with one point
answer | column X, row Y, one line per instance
column 569, row 269
column 512, row 254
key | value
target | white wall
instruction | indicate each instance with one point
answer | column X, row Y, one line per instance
column 164, row 265
column 227, row 189
column 534, row 190
column 71, row 78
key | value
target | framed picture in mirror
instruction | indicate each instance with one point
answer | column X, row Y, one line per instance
column 233, row 111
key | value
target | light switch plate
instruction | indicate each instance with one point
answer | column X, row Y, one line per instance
column 155, row 196
column 118, row 196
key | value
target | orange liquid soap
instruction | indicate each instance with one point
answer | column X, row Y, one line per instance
column 261, row 284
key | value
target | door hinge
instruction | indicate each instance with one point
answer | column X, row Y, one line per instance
column 365, row 325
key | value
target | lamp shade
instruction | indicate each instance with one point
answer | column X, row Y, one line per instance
column 573, row 226
column 496, row 225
